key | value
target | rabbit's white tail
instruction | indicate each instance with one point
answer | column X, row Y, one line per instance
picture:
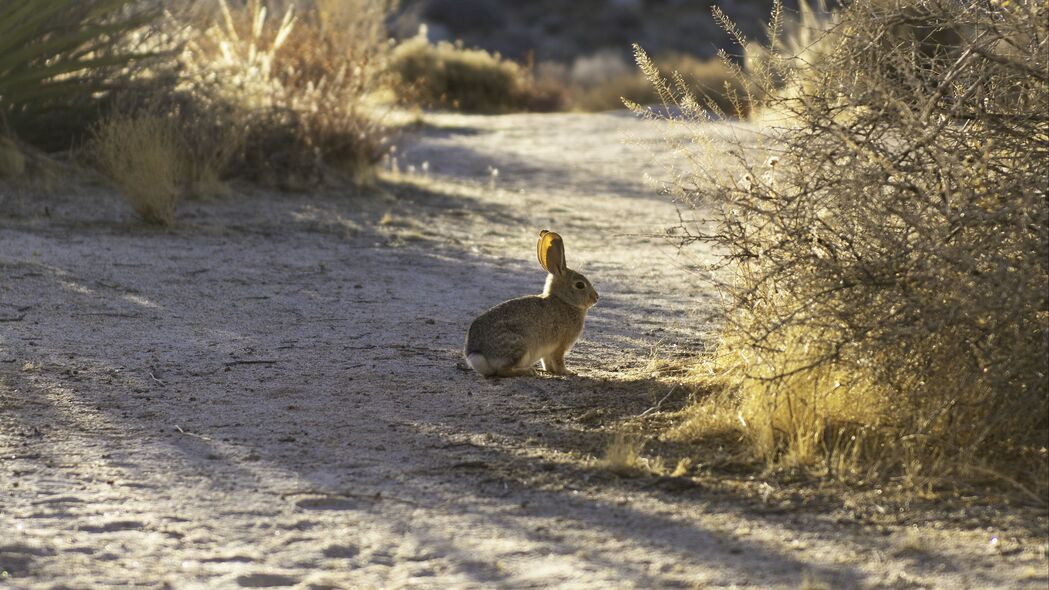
column 479, row 363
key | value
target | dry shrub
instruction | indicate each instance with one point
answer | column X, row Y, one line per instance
column 293, row 80
column 473, row 80
column 796, row 41
column 886, row 252
column 142, row 156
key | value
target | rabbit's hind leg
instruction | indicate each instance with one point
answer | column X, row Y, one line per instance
column 514, row 359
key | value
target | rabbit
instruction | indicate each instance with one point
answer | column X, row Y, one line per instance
column 507, row 340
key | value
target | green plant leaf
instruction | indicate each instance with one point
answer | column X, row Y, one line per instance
column 64, row 52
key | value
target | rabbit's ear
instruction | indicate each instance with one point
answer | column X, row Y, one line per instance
column 551, row 252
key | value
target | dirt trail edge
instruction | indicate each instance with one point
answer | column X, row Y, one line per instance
column 271, row 394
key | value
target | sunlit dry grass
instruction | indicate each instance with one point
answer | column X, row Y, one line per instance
column 623, row 456
column 885, row 248
column 294, row 78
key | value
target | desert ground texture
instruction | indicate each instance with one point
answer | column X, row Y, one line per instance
column 271, row 394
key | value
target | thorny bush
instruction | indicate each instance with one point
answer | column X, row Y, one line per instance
column 885, row 247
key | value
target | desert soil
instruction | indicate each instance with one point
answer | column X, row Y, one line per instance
column 271, row 394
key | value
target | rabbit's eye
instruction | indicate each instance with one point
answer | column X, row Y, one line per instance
column 579, row 285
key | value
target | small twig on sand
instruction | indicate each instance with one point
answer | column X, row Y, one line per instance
column 193, row 434
column 16, row 318
column 658, row 404
column 376, row 497
column 154, row 377
column 232, row 363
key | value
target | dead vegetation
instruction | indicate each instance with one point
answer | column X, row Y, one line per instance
column 143, row 157
column 885, row 248
column 291, row 80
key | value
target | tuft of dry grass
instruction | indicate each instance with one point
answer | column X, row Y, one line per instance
column 623, row 457
column 142, row 156
column 823, row 419
column 910, row 542
column 886, row 248
column 214, row 140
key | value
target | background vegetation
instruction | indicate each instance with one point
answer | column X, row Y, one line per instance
column 886, row 257
column 450, row 76
column 275, row 92
column 287, row 94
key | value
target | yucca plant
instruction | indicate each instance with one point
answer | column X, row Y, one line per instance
column 61, row 56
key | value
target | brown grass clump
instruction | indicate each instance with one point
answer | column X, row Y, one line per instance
column 213, row 144
column 142, row 156
column 886, row 248
column 623, row 455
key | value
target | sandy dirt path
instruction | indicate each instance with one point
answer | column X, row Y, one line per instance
column 271, row 394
